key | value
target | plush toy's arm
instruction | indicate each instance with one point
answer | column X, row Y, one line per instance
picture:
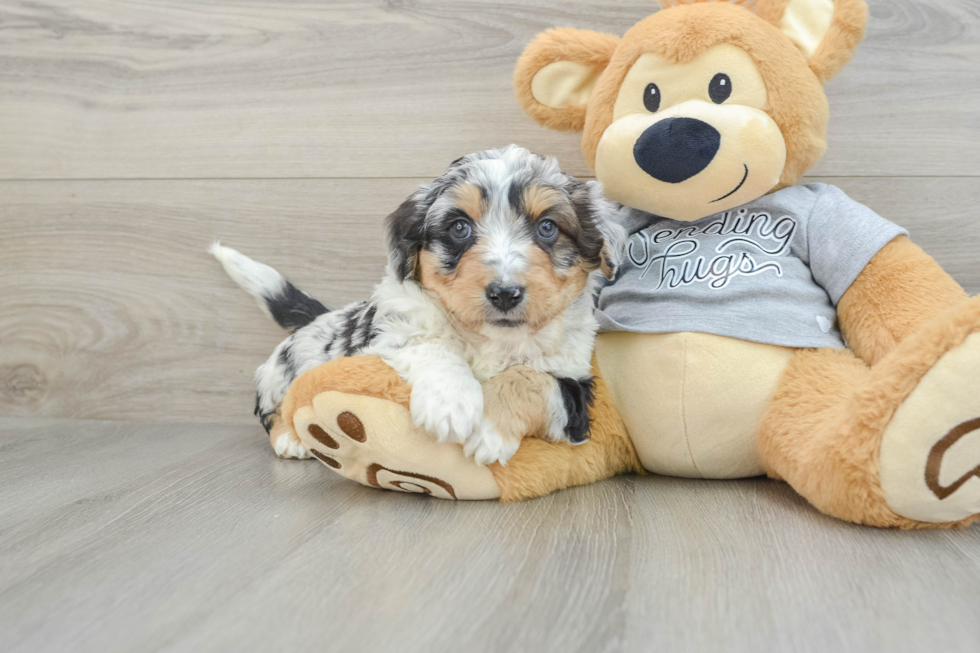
column 900, row 290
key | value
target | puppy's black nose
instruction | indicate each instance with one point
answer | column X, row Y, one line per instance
column 676, row 149
column 504, row 298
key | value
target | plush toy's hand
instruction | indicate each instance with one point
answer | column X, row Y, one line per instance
column 449, row 409
column 488, row 445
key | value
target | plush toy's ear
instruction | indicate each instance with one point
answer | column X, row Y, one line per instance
column 557, row 72
column 826, row 31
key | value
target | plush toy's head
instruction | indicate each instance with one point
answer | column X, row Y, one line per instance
column 701, row 107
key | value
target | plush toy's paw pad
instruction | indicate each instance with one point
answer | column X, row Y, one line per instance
column 287, row 445
column 374, row 442
column 349, row 425
column 929, row 462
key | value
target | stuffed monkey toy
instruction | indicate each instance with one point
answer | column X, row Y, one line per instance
column 756, row 327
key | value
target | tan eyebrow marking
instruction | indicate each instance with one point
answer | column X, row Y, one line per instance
column 539, row 199
column 469, row 197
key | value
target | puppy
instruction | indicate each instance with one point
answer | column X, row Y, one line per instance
column 485, row 308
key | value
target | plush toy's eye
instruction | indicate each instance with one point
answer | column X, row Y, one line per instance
column 461, row 230
column 651, row 98
column 720, row 88
column 547, row 230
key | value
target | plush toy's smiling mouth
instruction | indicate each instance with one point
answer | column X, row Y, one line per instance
column 732, row 192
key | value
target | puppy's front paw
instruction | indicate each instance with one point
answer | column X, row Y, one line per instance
column 287, row 445
column 448, row 412
column 487, row 445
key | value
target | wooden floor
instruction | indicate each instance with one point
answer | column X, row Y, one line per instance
column 191, row 537
column 140, row 506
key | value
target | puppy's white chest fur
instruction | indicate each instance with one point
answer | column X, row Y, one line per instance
column 563, row 347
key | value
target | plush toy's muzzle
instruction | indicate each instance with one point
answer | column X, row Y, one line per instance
column 691, row 159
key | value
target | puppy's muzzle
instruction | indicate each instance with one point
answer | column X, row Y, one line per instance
column 505, row 298
column 675, row 149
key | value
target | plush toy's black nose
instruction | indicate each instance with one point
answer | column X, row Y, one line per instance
column 504, row 298
column 676, row 149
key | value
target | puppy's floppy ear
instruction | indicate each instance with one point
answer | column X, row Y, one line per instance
column 826, row 31
column 557, row 72
column 604, row 216
column 404, row 229
column 613, row 234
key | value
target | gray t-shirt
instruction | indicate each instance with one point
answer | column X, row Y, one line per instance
column 771, row 271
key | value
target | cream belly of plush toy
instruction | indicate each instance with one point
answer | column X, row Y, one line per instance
column 697, row 414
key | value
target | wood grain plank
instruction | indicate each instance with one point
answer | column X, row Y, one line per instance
column 239, row 88
column 110, row 308
column 136, row 537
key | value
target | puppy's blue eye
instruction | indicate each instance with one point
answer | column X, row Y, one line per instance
column 547, row 230
column 461, row 230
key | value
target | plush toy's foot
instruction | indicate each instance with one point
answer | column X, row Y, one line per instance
column 373, row 441
column 895, row 445
column 929, row 462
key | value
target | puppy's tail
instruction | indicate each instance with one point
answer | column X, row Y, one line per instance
column 289, row 306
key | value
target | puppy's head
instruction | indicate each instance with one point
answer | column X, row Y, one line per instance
column 505, row 239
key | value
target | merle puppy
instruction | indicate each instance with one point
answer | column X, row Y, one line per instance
column 490, row 267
